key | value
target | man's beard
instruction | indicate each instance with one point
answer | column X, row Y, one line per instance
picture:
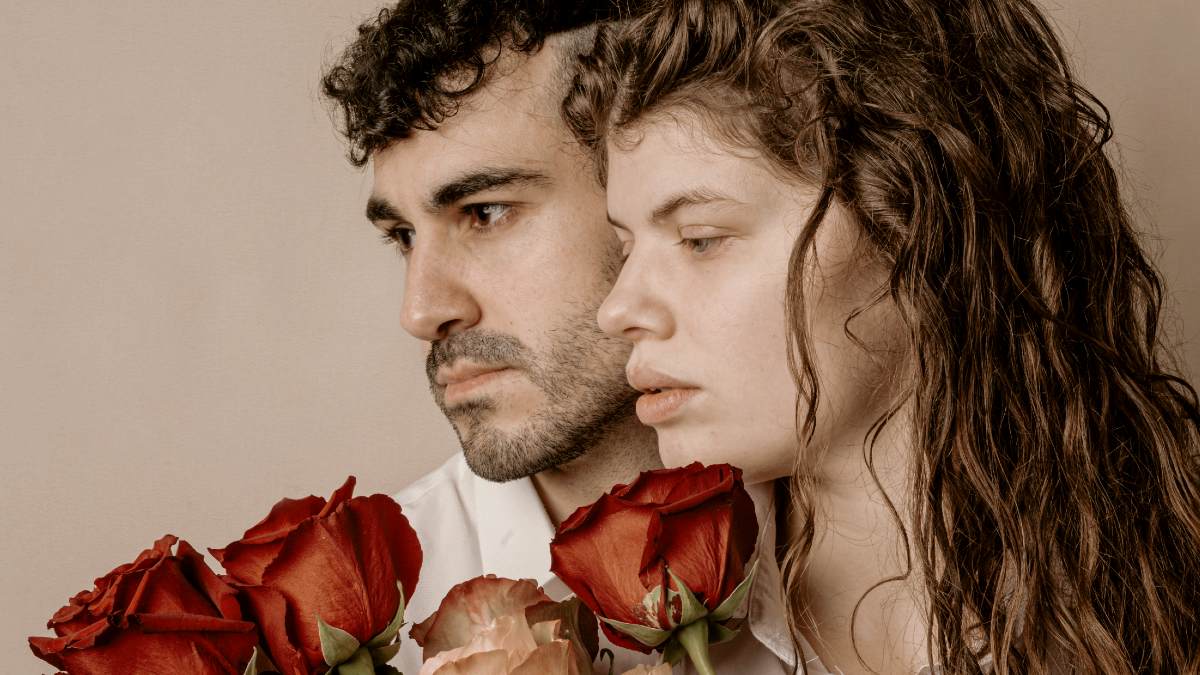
column 581, row 374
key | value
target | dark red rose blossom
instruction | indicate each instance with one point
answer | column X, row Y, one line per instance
column 697, row 522
column 164, row 612
column 338, row 560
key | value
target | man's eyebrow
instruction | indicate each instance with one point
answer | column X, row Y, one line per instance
column 484, row 179
column 693, row 197
column 379, row 209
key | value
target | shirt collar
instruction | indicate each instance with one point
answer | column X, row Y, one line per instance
column 514, row 530
column 766, row 613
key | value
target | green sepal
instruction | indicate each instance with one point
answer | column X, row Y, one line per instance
column 337, row 646
column 381, row 655
column 393, row 628
column 730, row 605
column 651, row 637
column 692, row 609
column 259, row 663
column 358, row 664
column 674, row 652
column 718, row 633
column 387, row 670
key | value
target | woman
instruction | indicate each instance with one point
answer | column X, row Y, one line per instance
column 877, row 247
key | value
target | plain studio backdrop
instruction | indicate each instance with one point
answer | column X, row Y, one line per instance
column 196, row 320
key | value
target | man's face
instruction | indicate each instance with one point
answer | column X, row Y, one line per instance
column 508, row 254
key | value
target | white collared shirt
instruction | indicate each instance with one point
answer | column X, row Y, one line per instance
column 469, row 526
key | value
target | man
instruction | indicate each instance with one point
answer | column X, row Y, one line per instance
column 508, row 254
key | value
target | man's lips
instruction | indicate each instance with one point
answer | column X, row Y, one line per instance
column 462, row 372
column 461, row 381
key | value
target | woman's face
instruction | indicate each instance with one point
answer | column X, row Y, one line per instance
column 708, row 231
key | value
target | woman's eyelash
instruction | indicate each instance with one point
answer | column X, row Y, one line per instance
column 702, row 244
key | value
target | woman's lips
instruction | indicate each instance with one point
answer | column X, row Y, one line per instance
column 659, row 406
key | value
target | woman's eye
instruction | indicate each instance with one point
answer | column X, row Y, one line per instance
column 400, row 237
column 486, row 215
column 702, row 244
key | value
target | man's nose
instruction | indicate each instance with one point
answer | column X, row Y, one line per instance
column 437, row 300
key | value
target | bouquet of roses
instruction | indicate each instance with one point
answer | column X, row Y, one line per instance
column 320, row 587
column 315, row 587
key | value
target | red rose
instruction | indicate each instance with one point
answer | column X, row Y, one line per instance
column 342, row 562
column 162, row 613
column 627, row 555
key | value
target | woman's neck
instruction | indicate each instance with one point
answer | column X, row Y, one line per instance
column 859, row 558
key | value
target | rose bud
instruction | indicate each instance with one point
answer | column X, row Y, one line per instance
column 663, row 561
column 164, row 612
column 327, row 581
column 494, row 626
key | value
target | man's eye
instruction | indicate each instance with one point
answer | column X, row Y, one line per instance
column 400, row 237
column 486, row 215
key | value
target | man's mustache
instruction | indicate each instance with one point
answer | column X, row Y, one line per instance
column 479, row 346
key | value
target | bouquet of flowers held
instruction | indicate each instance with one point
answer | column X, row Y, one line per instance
column 319, row 587
column 315, row 587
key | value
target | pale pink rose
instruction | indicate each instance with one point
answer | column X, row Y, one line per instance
column 494, row 626
column 509, row 646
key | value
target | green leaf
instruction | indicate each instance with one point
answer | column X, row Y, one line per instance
column 730, row 605
column 393, row 628
column 381, row 655
column 337, row 645
column 693, row 610
column 651, row 637
column 358, row 664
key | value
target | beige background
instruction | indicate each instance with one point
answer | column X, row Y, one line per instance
column 195, row 318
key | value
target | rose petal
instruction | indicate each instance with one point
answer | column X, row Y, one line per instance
column 483, row 663
column 246, row 558
column 553, row 658
column 471, row 607
column 136, row 652
column 318, row 573
column 662, row 485
column 388, row 553
column 270, row 610
column 509, row 635
column 339, row 496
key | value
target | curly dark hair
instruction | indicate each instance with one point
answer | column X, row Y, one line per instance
column 412, row 63
column 1055, row 514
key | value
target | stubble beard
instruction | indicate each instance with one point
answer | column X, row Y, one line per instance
column 582, row 376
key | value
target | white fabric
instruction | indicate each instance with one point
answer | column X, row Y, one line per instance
column 469, row 526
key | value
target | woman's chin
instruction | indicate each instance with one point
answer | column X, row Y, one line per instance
column 678, row 448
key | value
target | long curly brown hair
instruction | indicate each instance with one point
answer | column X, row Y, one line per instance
column 1055, row 520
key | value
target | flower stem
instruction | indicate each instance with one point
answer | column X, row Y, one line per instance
column 694, row 638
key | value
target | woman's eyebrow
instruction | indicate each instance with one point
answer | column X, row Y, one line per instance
column 690, row 197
